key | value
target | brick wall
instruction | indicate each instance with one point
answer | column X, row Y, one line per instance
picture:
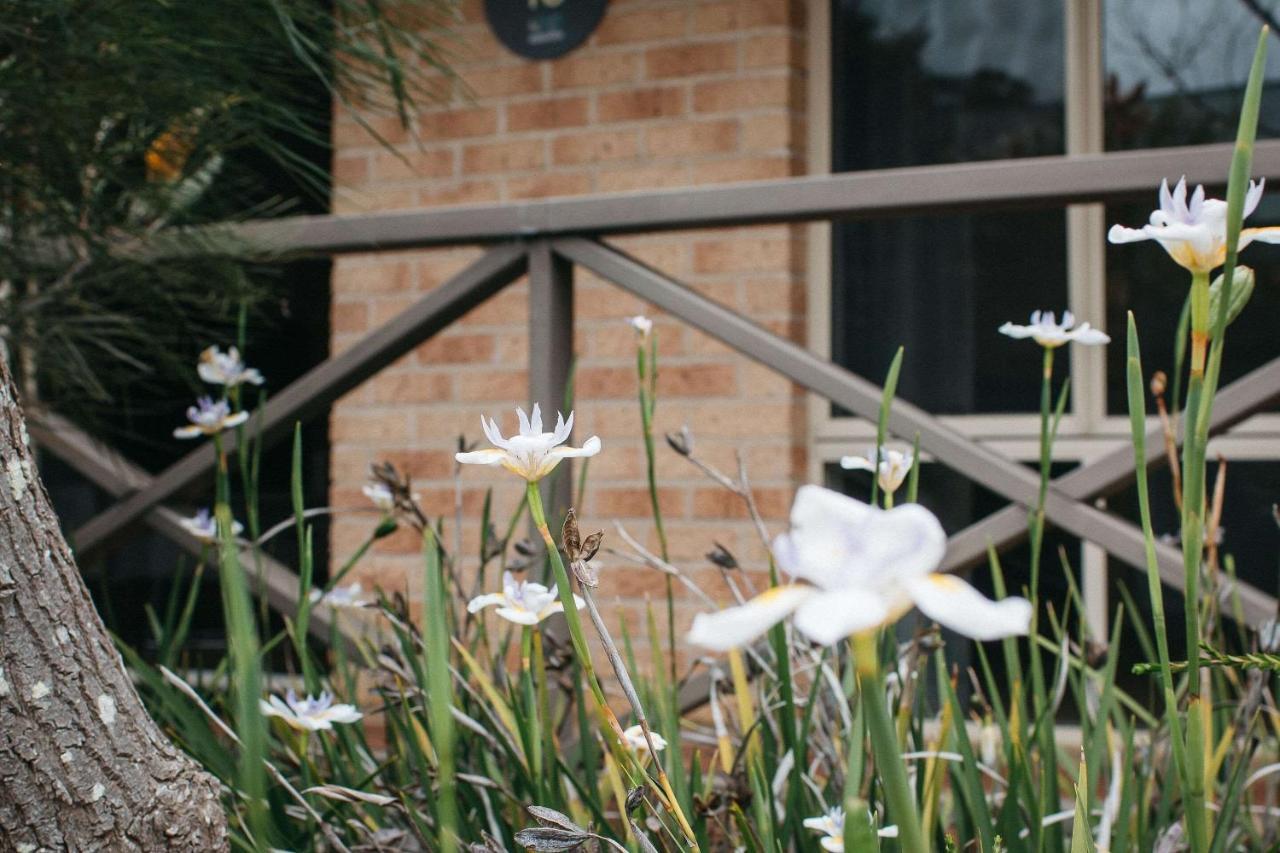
column 667, row 93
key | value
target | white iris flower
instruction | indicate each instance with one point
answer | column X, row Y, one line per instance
column 831, row 825
column 381, row 496
column 532, row 453
column 522, row 602
column 634, row 739
column 209, row 418
column 1049, row 333
column 226, row 368
column 340, row 596
column 204, row 526
column 309, row 715
column 1195, row 233
column 860, row 567
column 893, row 469
column 642, row 324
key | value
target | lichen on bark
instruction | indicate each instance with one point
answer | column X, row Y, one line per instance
column 82, row 765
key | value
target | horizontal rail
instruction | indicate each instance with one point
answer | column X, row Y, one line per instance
column 1251, row 393
column 976, row 462
column 966, row 187
column 320, row 386
column 117, row 476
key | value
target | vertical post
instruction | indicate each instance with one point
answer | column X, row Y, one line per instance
column 551, row 356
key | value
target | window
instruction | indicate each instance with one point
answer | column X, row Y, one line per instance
column 921, row 82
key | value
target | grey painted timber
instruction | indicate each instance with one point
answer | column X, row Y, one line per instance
column 1248, row 395
column 967, row 187
column 981, row 465
column 117, row 476
column 319, row 387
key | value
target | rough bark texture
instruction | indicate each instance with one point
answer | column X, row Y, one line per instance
column 82, row 765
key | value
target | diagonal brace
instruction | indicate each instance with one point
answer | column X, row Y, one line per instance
column 1251, row 393
column 117, row 476
column 978, row 463
column 317, row 388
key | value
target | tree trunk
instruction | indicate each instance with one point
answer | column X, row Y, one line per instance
column 82, row 765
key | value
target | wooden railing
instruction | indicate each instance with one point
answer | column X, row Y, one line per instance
column 548, row 240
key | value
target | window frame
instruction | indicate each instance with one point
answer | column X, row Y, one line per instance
column 1087, row 431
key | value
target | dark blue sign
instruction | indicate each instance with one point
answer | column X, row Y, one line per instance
column 543, row 29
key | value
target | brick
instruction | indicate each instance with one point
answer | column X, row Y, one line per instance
column 385, row 310
column 605, row 382
column 584, row 70
column 742, row 255
column 366, row 427
column 594, row 147
column 423, row 464
column 349, row 317
column 744, row 169
column 456, row 349
column 518, row 155
column 696, row 380
column 693, row 137
column 746, row 93
column 492, row 386
column 437, row 163
column 773, row 296
column 641, row 104
column 721, row 503
column 459, row 192
column 548, row 185
column 633, row 502
column 372, row 279
column 547, row 113
column 735, row 15
column 416, row 387
column 353, row 169
column 642, row 25
column 625, row 178
column 458, row 123
column 773, row 50
column 690, row 59
column 519, row 79
column 348, row 200
column 773, row 131
column 348, row 133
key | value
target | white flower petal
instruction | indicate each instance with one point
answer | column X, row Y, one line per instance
column 1120, row 234
column 734, row 627
column 480, row 602
column 487, row 456
column 520, row 617
column 828, row 618
column 956, row 605
column 907, row 540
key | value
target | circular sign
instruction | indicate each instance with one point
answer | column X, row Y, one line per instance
column 543, row 29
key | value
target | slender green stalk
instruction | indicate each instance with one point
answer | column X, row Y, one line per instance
column 647, row 376
column 246, row 667
column 532, row 722
column 440, row 693
column 882, row 423
column 884, row 744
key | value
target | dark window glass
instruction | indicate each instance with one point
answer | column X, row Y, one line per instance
column 1176, row 69
column 922, row 82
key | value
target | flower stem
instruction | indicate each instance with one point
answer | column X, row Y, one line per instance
column 884, row 744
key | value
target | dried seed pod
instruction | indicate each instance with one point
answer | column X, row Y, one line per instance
column 1159, row 382
column 586, row 575
column 569, row 537
column 681, row 442
column 721, row 557
column 591, row 545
